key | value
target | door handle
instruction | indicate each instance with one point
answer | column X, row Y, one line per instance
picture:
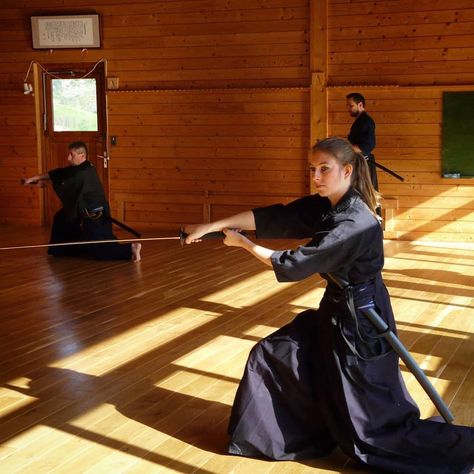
column 105, row 158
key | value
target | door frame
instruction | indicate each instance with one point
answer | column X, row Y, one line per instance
column 46, row 135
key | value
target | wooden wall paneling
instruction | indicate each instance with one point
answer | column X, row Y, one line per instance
column 366, row 7
column 182, row 208
column 18, row 159
column 181, row 44
column 153, row 6
column 242, row 144
column 319, row 64
column 417, row 43
column 184, row 28
column 419, row 15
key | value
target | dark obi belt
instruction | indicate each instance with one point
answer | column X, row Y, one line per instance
column 93, row 212
column 358, row 332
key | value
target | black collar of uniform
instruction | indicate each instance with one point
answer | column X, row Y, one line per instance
column 85, row 164
column 346, row 200
column 343, row 204
column 82, row 166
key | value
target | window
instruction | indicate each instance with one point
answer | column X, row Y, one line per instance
column 74, row 105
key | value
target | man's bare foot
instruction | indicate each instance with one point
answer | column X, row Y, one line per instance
column 136, row 249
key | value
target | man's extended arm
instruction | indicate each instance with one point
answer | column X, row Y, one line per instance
column 38, row 179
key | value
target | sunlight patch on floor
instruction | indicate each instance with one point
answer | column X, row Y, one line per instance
column 259, row 330
column 135, row 342
column 251, row 289
column 192, row 385
column 443, row 245
column 217, row 348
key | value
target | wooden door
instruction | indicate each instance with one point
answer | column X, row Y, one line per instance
column 74, row 110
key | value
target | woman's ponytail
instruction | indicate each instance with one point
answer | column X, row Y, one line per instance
column 362, row 182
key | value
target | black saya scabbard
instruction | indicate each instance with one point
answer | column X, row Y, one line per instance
column 389, row 171
column 124, row 226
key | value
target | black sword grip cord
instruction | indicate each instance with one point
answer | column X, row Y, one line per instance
column 210, row 235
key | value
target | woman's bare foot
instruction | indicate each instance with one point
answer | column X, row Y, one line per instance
column 136, row 249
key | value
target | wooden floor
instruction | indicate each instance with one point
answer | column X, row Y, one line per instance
column 112, row 367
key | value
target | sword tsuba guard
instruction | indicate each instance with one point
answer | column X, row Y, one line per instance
column 182, row 236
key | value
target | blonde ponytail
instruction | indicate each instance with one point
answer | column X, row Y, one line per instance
column 362, row 182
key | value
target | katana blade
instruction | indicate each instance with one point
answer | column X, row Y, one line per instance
column 88, row 242
column 181, row 237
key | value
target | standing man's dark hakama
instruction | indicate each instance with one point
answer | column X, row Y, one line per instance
column 325, row 380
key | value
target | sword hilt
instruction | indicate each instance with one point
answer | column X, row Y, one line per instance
column 32, row 183
column 210, row 235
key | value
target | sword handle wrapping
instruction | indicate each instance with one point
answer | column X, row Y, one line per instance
column 210, row 235
column 24, row 183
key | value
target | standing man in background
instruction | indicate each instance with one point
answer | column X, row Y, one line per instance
column 362, row 134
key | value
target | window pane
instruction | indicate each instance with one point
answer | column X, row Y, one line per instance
column 74, row 105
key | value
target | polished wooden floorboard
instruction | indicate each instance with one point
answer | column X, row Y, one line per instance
column 111, row 367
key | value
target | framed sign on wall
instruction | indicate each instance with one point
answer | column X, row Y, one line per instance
column 65, row 31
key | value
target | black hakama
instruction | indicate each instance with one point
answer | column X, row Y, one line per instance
column 325, row 379
column 362, row 134
column 80, row 191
